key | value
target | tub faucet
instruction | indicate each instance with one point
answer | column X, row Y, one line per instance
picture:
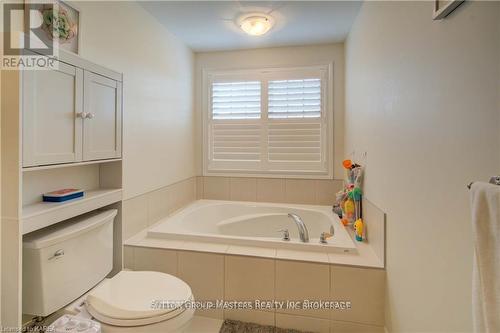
column 304, row 235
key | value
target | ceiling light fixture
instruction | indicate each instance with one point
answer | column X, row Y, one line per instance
column 255, row 24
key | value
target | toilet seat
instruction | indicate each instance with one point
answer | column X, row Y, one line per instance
column 133, row 298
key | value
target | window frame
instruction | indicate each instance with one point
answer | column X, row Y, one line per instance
column 264, row 75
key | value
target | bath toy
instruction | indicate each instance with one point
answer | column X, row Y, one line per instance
column 349, row 206
column 347, row 164
column 356, row 194
column 349, row 211
column 358, row 230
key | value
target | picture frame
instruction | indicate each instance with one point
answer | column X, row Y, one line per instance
column 443, row 8
column 74, row 47
column 69, row 39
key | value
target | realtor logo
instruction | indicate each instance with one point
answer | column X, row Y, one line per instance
column 26, row 44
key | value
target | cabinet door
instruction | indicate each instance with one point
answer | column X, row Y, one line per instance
column 102, row 128
column 52, row 126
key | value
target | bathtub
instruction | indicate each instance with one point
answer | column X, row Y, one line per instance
column 253, row 224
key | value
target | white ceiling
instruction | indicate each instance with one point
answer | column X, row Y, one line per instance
column 209, row 25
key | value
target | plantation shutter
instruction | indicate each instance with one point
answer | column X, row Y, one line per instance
column 274, row 123
column 235, row 130
column 295, row 98
column 236, row 100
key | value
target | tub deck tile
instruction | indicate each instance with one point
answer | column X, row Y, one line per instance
column 203, row 247
column 252, row 251
column 309, row 256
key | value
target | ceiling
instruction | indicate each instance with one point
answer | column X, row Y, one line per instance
column 209, row 25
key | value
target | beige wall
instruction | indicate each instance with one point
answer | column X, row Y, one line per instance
column 422, row 99
column 278, row 57
column 158, row 84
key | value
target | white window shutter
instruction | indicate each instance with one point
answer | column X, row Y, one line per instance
column 269, row 122
column 236, row 100
column 236, row 142
column 295, row 141
column 295, row 98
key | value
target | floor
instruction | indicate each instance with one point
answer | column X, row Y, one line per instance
column 234, row 326
column 209, row 325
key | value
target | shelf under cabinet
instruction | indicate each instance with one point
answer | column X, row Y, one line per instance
column 68, row 165
column 43, row 214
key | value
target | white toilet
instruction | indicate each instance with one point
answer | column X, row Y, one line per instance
column 70, row 260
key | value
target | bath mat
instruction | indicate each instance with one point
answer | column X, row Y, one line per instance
column 234, row 326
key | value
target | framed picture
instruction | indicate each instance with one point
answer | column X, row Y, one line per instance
column 61, row 21
column 443, row 8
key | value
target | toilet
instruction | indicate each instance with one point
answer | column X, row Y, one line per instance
column 64, row 271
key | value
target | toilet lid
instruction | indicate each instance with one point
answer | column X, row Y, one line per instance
column 132, row 295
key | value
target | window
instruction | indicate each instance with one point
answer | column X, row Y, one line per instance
column 268, row 122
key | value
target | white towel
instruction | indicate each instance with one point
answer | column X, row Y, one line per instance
column 485, row 203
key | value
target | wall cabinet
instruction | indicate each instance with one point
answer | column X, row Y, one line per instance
column 102, row 126
column 70, row 114
column 52, row 101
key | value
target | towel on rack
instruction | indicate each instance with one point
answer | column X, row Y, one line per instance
column 485, row 204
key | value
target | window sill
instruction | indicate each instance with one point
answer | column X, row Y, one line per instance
column 242, row 174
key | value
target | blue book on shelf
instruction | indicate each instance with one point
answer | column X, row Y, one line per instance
column 63, row 195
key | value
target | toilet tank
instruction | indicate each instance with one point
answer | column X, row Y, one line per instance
column 65, row 260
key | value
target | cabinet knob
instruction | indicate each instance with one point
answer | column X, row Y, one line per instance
column 89, row 115
column 57, row 254
column 82, row 115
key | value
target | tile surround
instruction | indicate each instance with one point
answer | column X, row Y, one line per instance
column 302, row 281
column 128, row 257
column 300, row 191
column 243, row 189
column 252, row 251
column 271, row 190
column 239, row 272
column 216, row 188
column 159, row 260
column 249, row 278
column 208, row 286
column 159, row 204
column 305, row 324
column 240, row 277
column 364, row 288
column 326, row 190
column 279, row 190
column 145, row 210
column 135, row 216
column 308, row 256
column 349, row 327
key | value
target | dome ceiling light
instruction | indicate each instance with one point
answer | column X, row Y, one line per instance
column 255, row 24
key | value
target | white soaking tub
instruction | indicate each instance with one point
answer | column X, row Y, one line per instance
column 253, row 224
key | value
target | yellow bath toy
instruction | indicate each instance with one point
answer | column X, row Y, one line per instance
column 349, row 209
column 358, row 230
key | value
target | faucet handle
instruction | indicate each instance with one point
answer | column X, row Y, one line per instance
column 286, row 234
column 324, row 236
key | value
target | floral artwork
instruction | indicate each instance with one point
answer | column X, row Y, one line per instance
column 61, row 25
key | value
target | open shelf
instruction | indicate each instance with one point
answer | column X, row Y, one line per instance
column 43, row 214
column 68, row 165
